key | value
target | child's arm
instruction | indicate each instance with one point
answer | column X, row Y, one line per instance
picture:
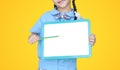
column 35, row 30
column 33, row 38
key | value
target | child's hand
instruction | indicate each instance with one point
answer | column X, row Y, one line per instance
column 33, row 38
column 92, row 39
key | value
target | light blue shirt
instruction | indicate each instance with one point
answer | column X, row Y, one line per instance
column 56, row 64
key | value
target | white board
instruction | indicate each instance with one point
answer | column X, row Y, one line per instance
column 71, row 39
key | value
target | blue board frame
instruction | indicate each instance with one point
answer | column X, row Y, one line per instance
column 65, row 57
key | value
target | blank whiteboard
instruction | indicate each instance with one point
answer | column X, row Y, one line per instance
column 71, row 41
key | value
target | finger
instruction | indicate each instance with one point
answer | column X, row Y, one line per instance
column 37, row 38
column 30, row 42
column 92, row 40
column 92, row 37
column 32, row 39
column 92, row 43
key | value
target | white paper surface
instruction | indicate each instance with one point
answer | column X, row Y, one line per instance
column 72, row 40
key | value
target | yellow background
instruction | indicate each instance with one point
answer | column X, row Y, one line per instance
column 18, row 16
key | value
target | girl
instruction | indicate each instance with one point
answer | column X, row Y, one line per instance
column 62, row 12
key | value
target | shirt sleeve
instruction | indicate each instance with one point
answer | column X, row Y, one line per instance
column 37, row 27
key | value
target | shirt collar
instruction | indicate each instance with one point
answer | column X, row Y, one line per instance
column 55, row 12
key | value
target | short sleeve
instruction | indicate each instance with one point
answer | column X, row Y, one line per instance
column 37, row 27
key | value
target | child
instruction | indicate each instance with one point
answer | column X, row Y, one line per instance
column 62, row 12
